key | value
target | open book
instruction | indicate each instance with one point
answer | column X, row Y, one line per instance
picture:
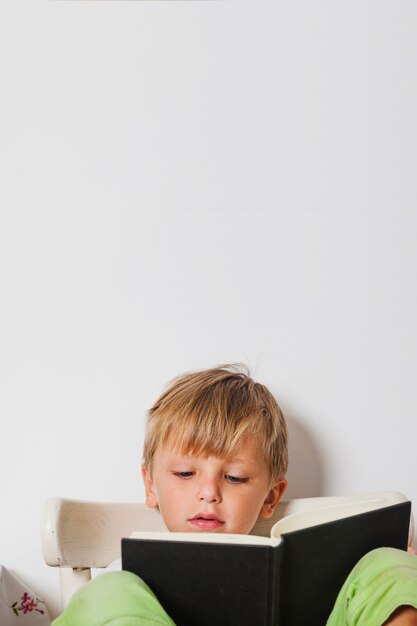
column 291, row 578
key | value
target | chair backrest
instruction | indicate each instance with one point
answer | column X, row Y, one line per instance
column 79, row 535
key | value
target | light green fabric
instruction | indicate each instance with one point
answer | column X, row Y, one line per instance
column 381, row 582
column 114, row 599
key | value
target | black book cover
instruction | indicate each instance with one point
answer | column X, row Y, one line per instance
column 293, row 584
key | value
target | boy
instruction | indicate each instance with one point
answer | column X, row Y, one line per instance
column 215, row 458
column 216, row 445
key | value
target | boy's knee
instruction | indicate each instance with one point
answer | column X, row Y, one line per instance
column 115, row 598
column 380, row 582
column 380, row 560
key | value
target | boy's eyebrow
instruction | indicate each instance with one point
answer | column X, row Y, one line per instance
column 245, row 462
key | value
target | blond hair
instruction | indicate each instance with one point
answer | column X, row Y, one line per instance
column 210, row 413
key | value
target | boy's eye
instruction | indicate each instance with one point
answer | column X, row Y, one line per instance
column 235, row 479
column 184, row 474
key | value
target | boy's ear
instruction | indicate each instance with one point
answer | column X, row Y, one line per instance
column 151, row 499
column 273, row 497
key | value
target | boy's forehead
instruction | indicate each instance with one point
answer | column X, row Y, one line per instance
column 247, row 452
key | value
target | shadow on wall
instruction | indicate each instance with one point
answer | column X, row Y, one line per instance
column 306, row 472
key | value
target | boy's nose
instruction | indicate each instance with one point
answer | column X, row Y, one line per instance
column 209, row 491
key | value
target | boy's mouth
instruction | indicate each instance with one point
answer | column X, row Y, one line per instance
column 204, row 521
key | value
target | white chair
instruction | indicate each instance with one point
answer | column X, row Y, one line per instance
column 78, row 536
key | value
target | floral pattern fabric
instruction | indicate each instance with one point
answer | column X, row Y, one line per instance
column 18, row 604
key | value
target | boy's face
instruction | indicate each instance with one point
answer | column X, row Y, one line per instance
column 212, row 494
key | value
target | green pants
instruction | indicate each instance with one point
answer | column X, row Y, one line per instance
column 114, row 599
column 382, row 581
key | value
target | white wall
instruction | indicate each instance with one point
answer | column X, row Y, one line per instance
column 187, row 184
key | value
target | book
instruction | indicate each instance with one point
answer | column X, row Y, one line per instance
column 291, row 578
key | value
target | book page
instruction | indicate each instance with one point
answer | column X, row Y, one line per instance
column 206, row 538
column 321, row 515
